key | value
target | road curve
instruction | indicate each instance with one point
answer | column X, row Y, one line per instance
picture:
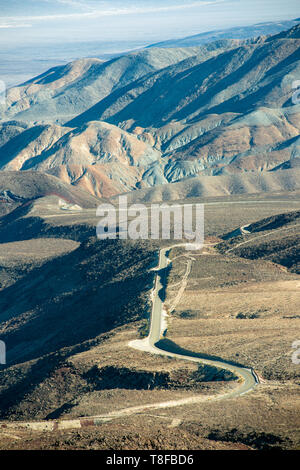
column 151, row 344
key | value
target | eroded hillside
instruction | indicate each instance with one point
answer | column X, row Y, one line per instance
column 160, row 116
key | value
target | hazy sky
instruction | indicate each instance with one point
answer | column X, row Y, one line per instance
column 38, row 34
column 28, row 21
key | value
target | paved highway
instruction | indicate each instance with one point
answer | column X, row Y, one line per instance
column 248, row 379
column 151, row 344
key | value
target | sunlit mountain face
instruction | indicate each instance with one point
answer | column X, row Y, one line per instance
column 36, row 35
column 160, row 115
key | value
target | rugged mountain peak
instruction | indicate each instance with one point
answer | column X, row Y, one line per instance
column 164, row 115
column 293, row 33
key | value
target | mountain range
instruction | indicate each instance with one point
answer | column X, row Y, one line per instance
column 237, row 32
column 159, row 115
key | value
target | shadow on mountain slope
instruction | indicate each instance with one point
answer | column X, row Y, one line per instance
column 75, row 297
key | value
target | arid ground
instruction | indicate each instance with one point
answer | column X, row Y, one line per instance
column 239, row 306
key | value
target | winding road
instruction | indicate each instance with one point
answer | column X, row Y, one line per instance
column 152, row 344
column 158, row 326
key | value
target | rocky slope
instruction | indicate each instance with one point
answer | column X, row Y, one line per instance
column 18, row 188
column 231, row 113
column 98, row 157
column 224, row 108
column 236, row 81
column 220, row 185
column 64, row 91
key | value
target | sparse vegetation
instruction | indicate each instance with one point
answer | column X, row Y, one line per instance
column 96, row 372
